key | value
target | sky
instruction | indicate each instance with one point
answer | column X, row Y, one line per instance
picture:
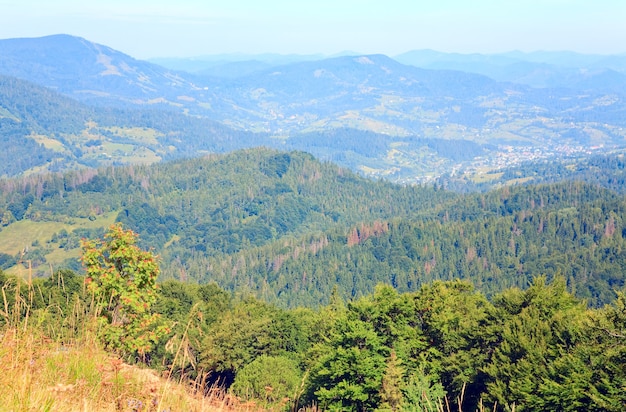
column 191, row 28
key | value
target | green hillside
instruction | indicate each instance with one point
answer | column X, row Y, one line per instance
column 42, row 130
column 289, row 229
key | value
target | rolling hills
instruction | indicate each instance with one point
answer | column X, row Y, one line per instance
column 493, row 284
column 287, row 228
column 286, row 103
column 42, row 130
column 298, row 225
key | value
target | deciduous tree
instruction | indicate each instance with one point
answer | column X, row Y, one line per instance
column 122, row 278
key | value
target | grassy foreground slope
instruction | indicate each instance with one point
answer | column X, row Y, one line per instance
column 41, row 373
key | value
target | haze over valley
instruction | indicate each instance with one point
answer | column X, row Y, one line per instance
column 376, row 115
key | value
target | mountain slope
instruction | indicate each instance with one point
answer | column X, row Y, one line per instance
column 43, row 130
column 288, row 228
column 30, row 117
column 538, row 69
column 296, row 102
column 88, row 71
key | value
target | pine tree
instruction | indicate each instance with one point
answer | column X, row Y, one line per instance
column 391, row 389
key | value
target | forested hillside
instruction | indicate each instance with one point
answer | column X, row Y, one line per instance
column 288, row 228
column 41, row 130
column 442, row 347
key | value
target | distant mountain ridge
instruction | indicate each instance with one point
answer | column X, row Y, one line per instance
column 291, row 97
column 537, row 69
column 87, row 71
column 412, row 106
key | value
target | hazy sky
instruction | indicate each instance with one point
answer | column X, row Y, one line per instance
column 183, row 28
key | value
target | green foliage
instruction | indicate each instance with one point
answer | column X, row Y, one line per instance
column 593, row 375
column 190, row 310
column 391, row 395
column 422, row 393
column 122, row 278
column 251, row 329
column 275, row 380
column 352, row 367
column 457, row 322
column 349, row 376
column 539, row 349
column 539, row 330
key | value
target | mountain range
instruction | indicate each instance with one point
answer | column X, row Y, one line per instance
column 274, row 262
column 538, row 69
column 493, row 102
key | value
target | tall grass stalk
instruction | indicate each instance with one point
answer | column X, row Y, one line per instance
column 54, row 364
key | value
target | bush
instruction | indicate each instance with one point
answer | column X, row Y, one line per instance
column 273, row 379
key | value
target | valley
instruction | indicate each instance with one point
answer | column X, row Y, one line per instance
column 357, row 232
column 292, row 105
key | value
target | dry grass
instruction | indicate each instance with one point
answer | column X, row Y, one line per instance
column 46, row 370
column 40, row 374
